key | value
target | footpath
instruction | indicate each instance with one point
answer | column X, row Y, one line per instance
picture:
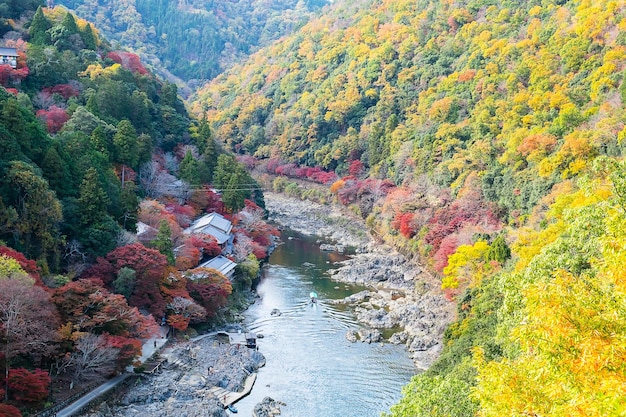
column 148, row 349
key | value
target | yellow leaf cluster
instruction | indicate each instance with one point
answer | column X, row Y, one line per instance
column 465, row 264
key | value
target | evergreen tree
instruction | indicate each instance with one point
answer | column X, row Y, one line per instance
column 89, row 38
column 209, row 155
column 60, row 38
column 208, row 151
column 223, row 170
column 69, row 23
column 188, row 169
column 93, row 200
column 98, row 231
column 125, row 282
column 9, row 148
column 203, row 135
column 39, row 27
column 163, row 242
column 498, row 251
column 237, row 190
column 31, row 214
column 92, row 104
column 12, row 117
column 55, row 171
column 144, row 148
column 129, row 205
column 168, row 96
column 99, row 140
column 125, row 143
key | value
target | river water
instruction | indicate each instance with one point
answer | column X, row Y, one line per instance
column 311, row 366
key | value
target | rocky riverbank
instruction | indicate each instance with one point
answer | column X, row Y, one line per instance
column 402, row 294
column 310, row 218
column 183, row 385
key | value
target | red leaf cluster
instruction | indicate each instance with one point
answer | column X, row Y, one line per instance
column 27, row 265
column 92, row 308
column 7, row 410
column 29, row 387
column 210, row 293
column 55, row 117
column 206, row 244
column 207, row 201
column 128, row 348
column 178, row 321
column 151, row 267
column 403, row 222
column 446, row 248
column 64, row 90
column 356, row 168
column 182, row 213
column 247, row 160
column 317, row 174
column 129, row 61
column 470, row 210
column 10, row 75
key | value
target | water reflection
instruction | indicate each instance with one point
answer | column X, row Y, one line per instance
column 310, row 364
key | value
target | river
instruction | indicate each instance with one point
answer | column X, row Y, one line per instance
column 311, row 366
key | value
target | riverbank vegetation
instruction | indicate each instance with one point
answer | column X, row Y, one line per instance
column 102, row 169
column 486, row 140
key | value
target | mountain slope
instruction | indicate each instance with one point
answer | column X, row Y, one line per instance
column 194, row 39
column 519, row 95
column 501, row 126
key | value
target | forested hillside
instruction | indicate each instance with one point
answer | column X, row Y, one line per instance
column 487, row 140
column 101, row 170
column 194, row 39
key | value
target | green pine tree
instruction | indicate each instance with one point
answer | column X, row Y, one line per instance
column 89, row 38
column 188, row 169
column 99, row 140
column 209, row 158
column 163, row 242
column 92, row 200
column 237, row 190
column 223, row 170
column 125, row 143
column 129, row 206
column 38, row 28
column 92, row 104
column 69, row 23
column 499, row 251
column 125, row 282
column 202, row 135
column 55, row 171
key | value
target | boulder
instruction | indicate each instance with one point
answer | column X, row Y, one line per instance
column 352, row 336
column 370, row 335
column 267, row 408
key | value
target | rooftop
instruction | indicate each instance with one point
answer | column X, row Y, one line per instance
column 213, row 224
column 8, row 52
column 221, row 264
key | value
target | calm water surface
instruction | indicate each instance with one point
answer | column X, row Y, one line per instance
column 310, row 365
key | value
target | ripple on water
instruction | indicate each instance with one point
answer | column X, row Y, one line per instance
column 310, row 365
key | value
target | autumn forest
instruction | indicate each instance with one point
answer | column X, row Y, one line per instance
column 483, row 139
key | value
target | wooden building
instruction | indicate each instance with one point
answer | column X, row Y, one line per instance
column 8, row 56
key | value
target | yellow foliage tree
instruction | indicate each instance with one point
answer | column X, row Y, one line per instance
column 467, row 263
column 567, row 348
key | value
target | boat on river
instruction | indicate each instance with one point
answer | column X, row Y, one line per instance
column 313, row 296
